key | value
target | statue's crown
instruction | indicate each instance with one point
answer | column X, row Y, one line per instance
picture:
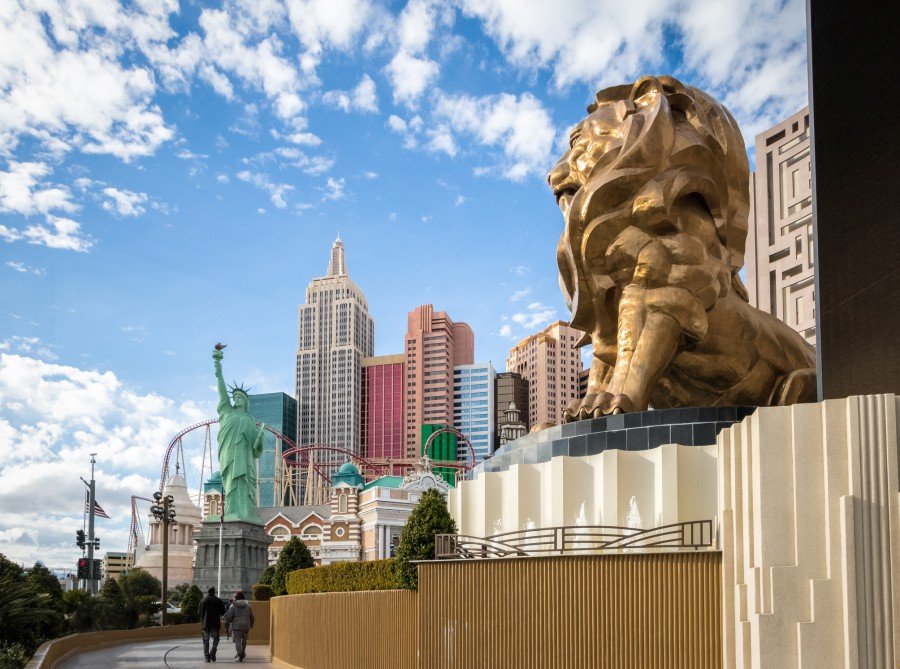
column 235, row 388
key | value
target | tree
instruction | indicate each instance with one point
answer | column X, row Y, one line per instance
column 267, row 575
column 142, row 592
column 176, row 594
column 190, row 604
column 114, row 612
column 294, row 555
column 43, row 581
column 429, row 517
column 29, row 615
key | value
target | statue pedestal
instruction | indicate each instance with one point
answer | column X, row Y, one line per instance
column 244, row 556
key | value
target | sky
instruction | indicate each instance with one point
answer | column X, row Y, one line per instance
column 173, row 175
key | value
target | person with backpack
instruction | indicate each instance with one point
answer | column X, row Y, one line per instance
column 240, row 617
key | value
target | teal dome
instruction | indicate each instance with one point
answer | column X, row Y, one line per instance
column 348, row 473
column 214, row 482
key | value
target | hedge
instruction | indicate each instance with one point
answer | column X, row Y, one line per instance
column 344, row 577
column 263, row 592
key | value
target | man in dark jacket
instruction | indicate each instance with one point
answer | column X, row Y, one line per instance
column 240, row 617
column 211, row 611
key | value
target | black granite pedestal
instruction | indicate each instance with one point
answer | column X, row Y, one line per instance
column 637, row 431
column 244, row 556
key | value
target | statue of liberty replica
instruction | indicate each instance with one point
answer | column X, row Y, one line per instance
column 232, row 546
column 240, row 445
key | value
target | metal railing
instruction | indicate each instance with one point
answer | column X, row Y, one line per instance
column 574, row 540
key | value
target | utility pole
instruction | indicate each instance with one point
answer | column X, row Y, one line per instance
column 221, row 528
column 92, row 583
column 164, row 512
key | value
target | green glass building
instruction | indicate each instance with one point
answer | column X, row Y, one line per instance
column 278, row 411
column 443, row 448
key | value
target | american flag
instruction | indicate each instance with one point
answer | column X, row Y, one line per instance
column 98, row 510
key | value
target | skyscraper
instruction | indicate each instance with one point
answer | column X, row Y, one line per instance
column 473, row 408
column 383, row 409
column 335, row 333
column 279, row 411
column 550, row 363
column 780, row 256
column 434, row 346
column 509, row 387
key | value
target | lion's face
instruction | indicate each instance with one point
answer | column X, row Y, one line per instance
column 597, row 136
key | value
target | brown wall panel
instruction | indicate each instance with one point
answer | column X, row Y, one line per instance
column 632, row 610
column 260, row 632
column 376, row 630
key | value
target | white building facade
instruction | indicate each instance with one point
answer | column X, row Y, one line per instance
column 473, row 408
column 335, row 333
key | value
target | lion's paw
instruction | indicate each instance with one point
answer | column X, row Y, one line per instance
column 597, row 405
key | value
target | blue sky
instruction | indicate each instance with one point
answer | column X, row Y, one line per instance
column 172, row 175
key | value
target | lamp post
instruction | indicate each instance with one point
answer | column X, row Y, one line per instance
column 164, row 512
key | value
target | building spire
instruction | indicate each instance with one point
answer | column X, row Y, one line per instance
column 336, row 264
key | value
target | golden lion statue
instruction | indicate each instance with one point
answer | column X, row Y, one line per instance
column 655, row 195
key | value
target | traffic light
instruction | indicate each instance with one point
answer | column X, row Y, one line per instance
column 80, row 539
column 84, row 569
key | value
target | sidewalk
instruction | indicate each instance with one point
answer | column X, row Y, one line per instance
column 168, row 653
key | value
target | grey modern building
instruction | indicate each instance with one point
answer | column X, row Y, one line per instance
column 335, row 333
column 279, row 411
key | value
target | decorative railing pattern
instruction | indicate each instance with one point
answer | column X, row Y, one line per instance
column 573, row 540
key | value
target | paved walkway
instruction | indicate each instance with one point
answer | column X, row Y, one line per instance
column 184, row 653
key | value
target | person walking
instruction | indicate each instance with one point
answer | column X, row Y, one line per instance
column 240, row 617
column 211, row 610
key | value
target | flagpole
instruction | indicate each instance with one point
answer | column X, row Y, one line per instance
column 91, row 500
column 221, row 528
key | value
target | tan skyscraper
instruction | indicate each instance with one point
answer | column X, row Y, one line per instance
column 434, row 346
column 551, row 364
column 335, row 333
column 780, row 257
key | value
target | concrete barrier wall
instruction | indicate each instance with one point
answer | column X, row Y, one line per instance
column 631, row 610
column 375, row 629
column 53, row 652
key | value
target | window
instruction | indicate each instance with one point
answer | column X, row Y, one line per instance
column 342, row 503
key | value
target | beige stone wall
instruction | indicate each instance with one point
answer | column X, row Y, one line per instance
column 671, row 484
column 810, row 532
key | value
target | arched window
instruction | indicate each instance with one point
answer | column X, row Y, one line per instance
column 312, row 530
column 214, row 507
column 279, row 531
column 342, row 503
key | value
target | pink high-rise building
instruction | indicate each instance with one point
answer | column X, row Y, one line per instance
column 434, row 346
column 383, row 410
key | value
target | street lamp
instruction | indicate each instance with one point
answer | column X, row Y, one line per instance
column 164, row 512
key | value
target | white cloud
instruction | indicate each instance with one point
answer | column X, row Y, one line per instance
column 52, row 417
column 276, row 191
column 535, row 315
column 459, row 200
column 410, row 76
column 334, row 189
column 364, row 97
column 751, row 54
column 21, row 192
column 520, row 270
column 519, row 126
column 64, row 84
column 59, row 233
column 222, row 178
column 25, row 269
column 124, row 202
column 520, row 294
column 324, row 24
column 370, row 175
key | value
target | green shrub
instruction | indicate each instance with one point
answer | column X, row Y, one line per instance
column 190, row 604
column 263, row 592
column 267, row 575
column 13, row 656
column 428, row 518
column 175, row 618
column 294, row 555
column 343, row 577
